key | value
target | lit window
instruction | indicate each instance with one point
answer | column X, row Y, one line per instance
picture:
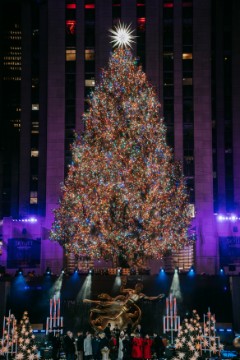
column 71, row 55
column 187, row 56
column 168, row 55
column 90, row 82
column 141, row 23
column 187, row 81
column 33, row 197
column 35, row 124
column 71, row 27
column 89, row 54
column 34, row 153
column 71, row 6
column 17, row 125
column 35, row 106
column 90, row 6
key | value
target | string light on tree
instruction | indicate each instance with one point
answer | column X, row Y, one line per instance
column 124, row 195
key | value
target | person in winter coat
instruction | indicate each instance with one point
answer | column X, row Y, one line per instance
column 107, row 331
column 120, row 346
column 147, row 346
column 113, row 347
column 158, row 346
column 126, row 347
column 69, row 346
column 56, row 346
column 104, row 346
column 96, row 347
column 137, row 347
column 87, row 346
column 80, row 339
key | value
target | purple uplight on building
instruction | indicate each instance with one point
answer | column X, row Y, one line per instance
column 28, row 220
column 231, row 217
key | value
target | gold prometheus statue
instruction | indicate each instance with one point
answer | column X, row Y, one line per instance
column 121, row 310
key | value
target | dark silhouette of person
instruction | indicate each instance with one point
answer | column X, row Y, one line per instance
column 107, row 331
column 158, row 346
column 69, row 346
column 56, row 346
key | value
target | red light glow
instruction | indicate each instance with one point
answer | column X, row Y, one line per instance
column 71, row 26
column 90, row 6
column 71, row 6
column 168, row 5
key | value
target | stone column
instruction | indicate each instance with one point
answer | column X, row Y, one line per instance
column 235, row 101
column 80, row 75
column 206, row 254
column 178, row 84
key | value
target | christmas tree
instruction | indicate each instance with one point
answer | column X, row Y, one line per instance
column 8, row 343
column 27, row 350
column 211, row 345
column 124, row 194
column 188, row 342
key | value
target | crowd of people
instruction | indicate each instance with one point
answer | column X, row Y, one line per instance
column 111, row 344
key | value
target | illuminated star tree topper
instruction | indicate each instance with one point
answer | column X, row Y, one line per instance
column 122, row 36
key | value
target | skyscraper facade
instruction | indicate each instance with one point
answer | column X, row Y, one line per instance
column 52, row 53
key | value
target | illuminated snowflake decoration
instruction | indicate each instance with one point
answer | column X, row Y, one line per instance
column 122, row 36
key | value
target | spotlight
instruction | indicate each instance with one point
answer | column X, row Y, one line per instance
column 220, row 218
column 191, row 271
column 62, row 271
column 48, row 271
column 176, row 271
column 76, row 271
column 19, row 272
column 119, row 271
column 90, row 271
column 221, row 271
column 162, row 271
